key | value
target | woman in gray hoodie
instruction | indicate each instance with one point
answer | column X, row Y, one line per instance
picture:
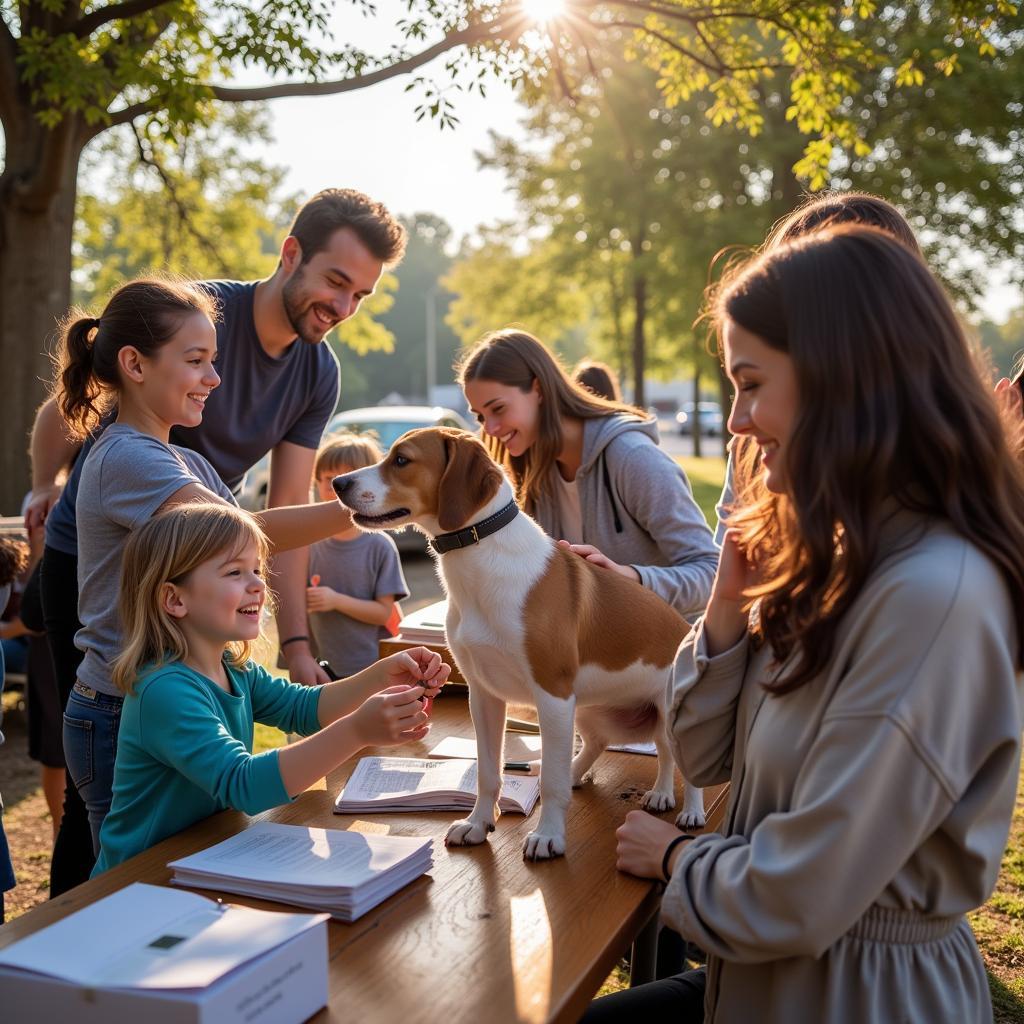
column 857, row 674
column 589, row 470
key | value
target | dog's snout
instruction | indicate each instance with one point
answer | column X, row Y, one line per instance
column 343, row 485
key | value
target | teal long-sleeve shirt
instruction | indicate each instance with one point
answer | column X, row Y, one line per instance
column 184, row 752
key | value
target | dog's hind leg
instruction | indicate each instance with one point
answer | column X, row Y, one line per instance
column 488, row 713
column 556, row 731
column 594, row 743
column 662, row 797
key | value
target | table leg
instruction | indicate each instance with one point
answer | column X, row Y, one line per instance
column 644, row 958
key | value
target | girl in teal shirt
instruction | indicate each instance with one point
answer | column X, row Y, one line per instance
column 192, row 595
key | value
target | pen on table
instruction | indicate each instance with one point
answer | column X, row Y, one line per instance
column 518, row 766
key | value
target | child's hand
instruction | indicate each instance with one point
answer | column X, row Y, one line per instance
column 321, row 599
column 395, row 716
column 416, row 666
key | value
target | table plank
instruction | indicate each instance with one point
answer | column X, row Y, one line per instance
column 485, row 936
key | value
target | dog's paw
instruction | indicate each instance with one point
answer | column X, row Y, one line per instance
column 586, row 777
column 467, row 833
column 688, row 818
column 543, row 847
column 655, row 801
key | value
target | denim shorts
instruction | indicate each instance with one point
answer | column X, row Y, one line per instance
column 91, row 721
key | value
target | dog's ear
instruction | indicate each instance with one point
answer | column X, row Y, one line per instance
column 470, row 480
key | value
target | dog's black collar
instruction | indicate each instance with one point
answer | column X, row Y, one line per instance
column 475, row 533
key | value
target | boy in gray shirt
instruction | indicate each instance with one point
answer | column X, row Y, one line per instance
column 356, row 578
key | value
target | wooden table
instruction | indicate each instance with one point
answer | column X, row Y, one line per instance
column 485, row 937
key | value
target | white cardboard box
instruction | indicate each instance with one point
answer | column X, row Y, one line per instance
column 250, row 967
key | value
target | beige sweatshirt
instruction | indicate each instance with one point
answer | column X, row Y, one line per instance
column 869, row 809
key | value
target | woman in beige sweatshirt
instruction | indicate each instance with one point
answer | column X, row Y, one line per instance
column 857, row 673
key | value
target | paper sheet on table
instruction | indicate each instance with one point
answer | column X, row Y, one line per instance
column 517, row 747
column 300, row 855
column 153, row 938
column 635, row 748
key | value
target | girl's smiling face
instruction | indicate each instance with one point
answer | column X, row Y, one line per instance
column 178, row 378
column 223, row 597
column 766, row 402
column 506, row 413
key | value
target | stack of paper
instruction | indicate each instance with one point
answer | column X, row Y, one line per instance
column 419, row 784
column 150, row 953
column 343, row 873
column 425, row 625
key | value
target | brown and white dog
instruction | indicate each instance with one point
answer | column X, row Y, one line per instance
column 531, row 623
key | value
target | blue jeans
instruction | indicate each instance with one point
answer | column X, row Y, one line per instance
column 91, row 721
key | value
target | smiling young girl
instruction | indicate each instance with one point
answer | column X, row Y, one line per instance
column 192, row 593
column 589, row 470
column 148, row 362
column 857, row 674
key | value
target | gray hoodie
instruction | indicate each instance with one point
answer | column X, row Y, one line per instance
column 638, row 509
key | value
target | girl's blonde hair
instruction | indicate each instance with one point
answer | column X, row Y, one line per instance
column 165, row 550
column 516, row 359
column 347, row 450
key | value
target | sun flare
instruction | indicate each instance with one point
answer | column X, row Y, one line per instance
column 542, row 11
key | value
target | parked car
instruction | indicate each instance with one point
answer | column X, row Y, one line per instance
column 389, row 423
column 708, row 414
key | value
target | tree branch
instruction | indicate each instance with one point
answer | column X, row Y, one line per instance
column 149, row 160
column 466, row 37
column 88, row 24
column 127, row 114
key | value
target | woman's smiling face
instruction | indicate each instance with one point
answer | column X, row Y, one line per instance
column 506, row 413
column 766, row 402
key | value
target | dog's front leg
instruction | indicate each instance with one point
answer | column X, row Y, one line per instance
column 488, row 714
column 557, row 718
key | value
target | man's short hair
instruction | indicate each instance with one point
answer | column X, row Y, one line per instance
column 336, row 208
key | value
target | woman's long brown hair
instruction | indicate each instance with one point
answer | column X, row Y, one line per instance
column 891, row 408
column 516, row 359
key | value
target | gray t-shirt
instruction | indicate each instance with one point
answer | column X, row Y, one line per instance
column 127, row 476
column 366, row 567
column 260, row 402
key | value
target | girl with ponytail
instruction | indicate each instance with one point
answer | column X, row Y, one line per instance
column 147, row 364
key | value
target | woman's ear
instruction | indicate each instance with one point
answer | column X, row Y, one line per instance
column 470, row 480
column 129, row 361
column 172, row 601
column 535, row 388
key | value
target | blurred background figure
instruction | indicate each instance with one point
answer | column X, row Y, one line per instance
column 599, row 378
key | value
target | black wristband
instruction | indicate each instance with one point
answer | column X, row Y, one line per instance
column 292, row 640
column 668, row 853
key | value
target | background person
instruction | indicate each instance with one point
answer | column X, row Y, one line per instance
column 857, row 674
column 598, row 378
column 589, row 470
column 279, row 387
column 356, row 577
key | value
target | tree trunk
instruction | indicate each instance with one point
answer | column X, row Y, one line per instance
column 37, row 213
column 695, row 426
column 639, row 338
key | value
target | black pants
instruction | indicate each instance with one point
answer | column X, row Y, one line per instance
column 72, row 853
column 675, row 1000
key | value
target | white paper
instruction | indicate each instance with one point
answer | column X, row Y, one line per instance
column 150, row 937
column 636, row 748
column 376, row 778
column 517, row 748
column 303, row 856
